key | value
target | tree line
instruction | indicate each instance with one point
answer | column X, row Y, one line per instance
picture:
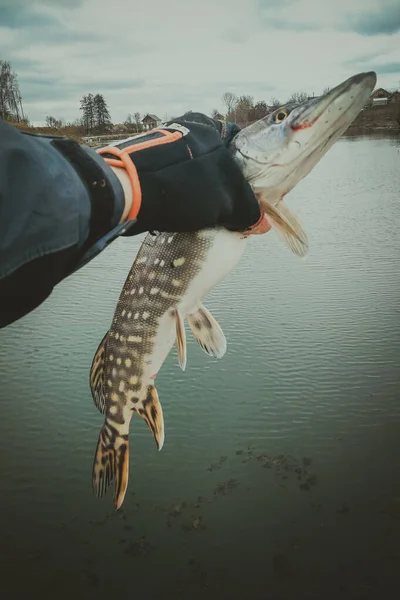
column 96, row 117
column 243, row 109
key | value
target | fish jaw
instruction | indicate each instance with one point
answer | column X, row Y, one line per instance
column 274, row 156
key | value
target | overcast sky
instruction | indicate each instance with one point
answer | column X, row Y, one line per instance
column 170, row 56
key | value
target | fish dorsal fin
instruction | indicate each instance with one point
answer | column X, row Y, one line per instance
column 287, row 227
column 180, row 340
column 97, row 376
column 207, row 332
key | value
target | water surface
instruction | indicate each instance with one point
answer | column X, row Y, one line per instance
column 279, row 477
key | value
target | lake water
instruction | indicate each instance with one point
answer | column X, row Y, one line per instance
column 279, row 477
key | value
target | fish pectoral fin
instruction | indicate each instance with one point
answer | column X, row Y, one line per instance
column 207, row 332
column 96, row 378
column 181, row 340
column 151, row 411
column 111, row 462
column 287, row 226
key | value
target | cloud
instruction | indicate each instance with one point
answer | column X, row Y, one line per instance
column 279, row 16
column 155, row 57
column 67, row 4
column 273, row 5
column 363, row 59
column 290, row 25
column 17, row 16
column 36, row 22
column 382, row 21
column 53, row 88
column 388, row 68
column 384, row 61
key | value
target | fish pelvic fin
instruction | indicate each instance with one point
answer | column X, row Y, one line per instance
column 207, row 332
column 111, row 462
column 96, row 378
column 151, row 411
column 287, row 226
column 181, row 340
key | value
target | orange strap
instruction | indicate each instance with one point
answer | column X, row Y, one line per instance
column 124, row 160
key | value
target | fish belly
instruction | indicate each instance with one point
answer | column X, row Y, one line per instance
column 224, row 254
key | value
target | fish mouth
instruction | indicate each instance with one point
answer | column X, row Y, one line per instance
column 338, row 107
column 313, row 127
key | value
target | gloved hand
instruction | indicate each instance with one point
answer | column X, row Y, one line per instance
column 184, row 177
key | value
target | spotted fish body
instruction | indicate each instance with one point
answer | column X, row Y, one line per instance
column 171, row 275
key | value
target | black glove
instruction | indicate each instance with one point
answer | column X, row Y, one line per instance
column 188, row 177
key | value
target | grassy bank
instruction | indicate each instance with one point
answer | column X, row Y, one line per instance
column 377, row 118
column 74, row 133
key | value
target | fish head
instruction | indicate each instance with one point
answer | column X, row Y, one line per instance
column 276, row 152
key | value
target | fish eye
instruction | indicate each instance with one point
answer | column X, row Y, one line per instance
column 281, row 116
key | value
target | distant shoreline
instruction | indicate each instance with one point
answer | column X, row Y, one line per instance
column 377, row 119
column 370, row 121
column 357, row 130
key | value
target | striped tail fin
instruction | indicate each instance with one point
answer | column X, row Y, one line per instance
column 111, row 462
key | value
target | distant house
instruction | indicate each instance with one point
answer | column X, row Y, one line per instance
column 150, row 121
column 379, row 97
column 379, row 93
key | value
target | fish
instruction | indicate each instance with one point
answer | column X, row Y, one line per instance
column 170, row 276
column 173, row 273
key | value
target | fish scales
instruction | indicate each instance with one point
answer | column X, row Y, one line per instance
column 150, row 291
column 170, row 276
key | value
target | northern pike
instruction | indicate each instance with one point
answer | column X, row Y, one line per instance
column 173, row 272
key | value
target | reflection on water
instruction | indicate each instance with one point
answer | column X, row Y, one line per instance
column 279, row 474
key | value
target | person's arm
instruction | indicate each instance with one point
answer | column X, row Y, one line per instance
column 53, row 209
column 61, row 203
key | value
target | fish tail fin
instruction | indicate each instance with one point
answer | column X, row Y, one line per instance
column 287, row 226
column 150, row 409
column 207, row 332
column 111, row 462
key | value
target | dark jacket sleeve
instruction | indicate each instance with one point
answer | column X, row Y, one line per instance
column 60, row 204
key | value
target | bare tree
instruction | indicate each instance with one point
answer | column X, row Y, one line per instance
column 137, row 117
column 275, row 103
column 326, row 90
column 229, row 99
column 298, row 97
column 129, row 121
column 53, row 122
column 215, row 114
